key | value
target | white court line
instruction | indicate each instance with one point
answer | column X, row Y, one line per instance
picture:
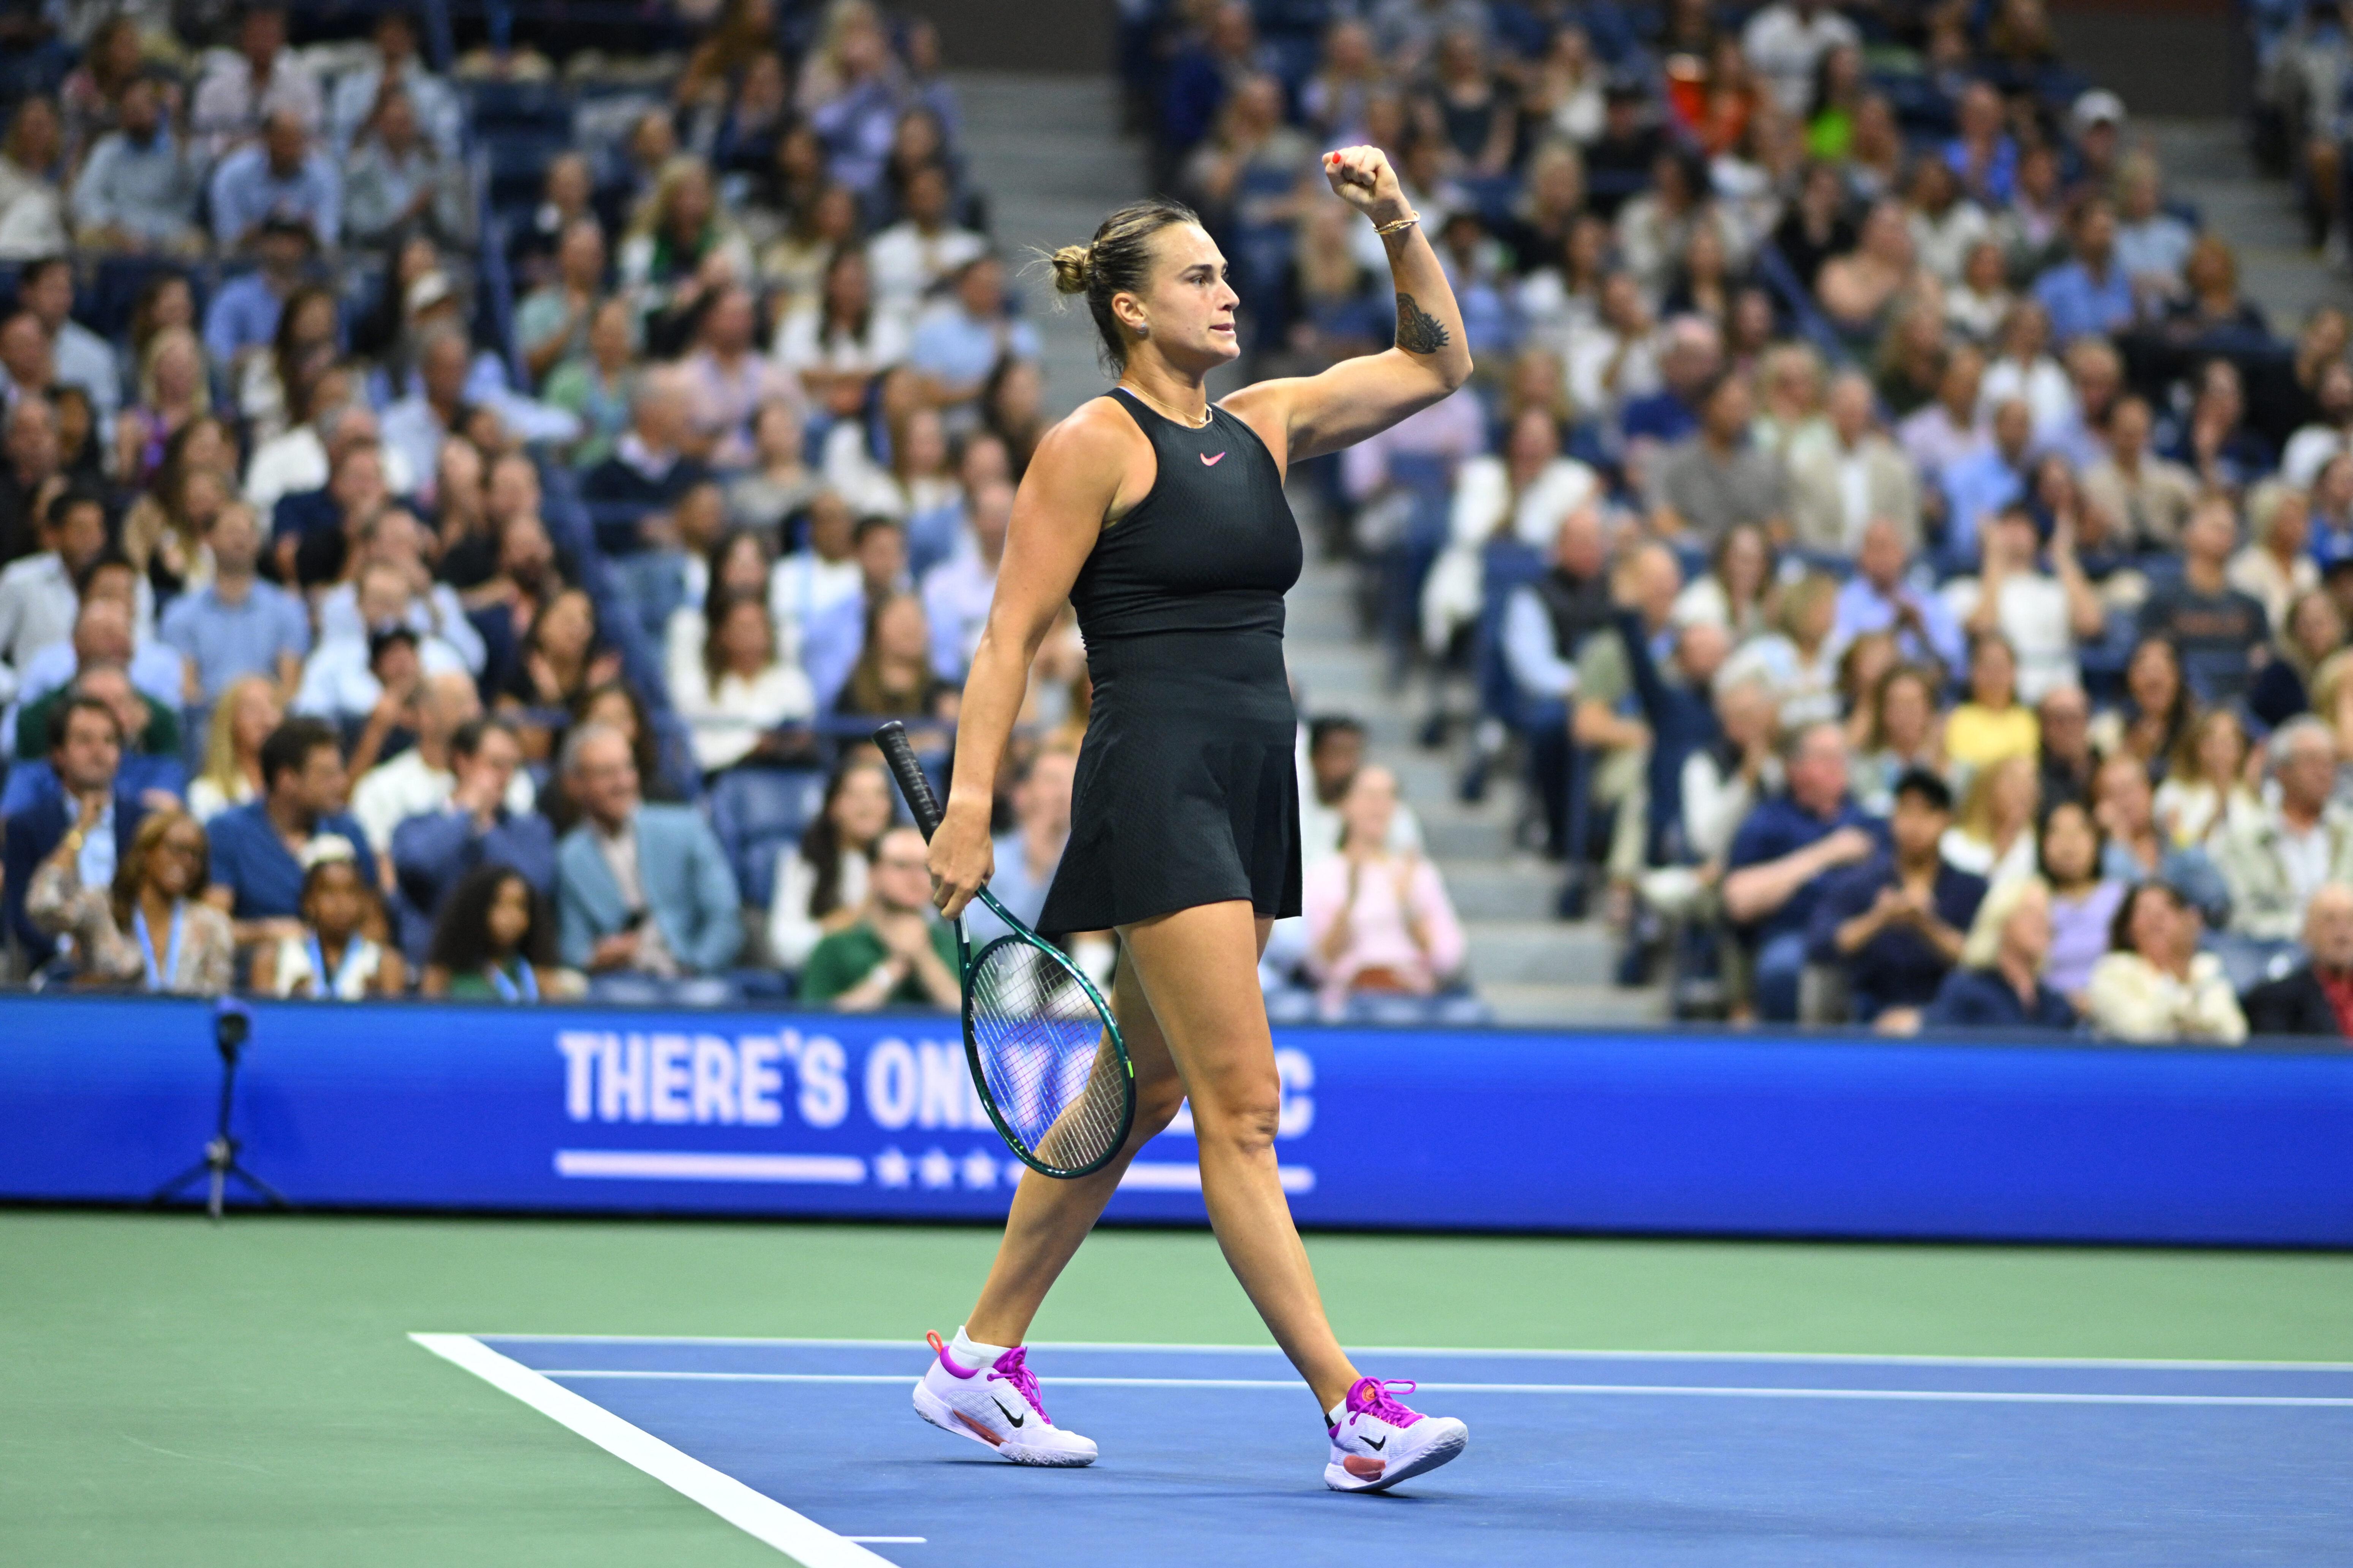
column 1948, row 1395
column 1834, row 1358
column 755, row 1513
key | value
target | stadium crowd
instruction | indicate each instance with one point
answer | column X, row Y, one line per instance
column 1914, row 576
column 459, row 517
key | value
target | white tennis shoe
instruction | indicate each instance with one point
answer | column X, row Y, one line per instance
column 1377, row 1442
column 997, row 1406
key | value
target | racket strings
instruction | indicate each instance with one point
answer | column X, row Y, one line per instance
column 1046, row 1057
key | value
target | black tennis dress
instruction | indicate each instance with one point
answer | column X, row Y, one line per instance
column 1187, row 791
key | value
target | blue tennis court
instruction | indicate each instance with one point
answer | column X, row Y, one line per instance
column 1213, row 1455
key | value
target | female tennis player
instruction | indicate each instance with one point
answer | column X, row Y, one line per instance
column 1161, row 517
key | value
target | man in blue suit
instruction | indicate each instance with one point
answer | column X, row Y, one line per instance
column 94, row 812
column 640, row 889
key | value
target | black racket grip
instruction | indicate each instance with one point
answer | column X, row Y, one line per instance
column 900, row 755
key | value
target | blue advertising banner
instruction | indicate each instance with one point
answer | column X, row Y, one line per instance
column 416, row 1106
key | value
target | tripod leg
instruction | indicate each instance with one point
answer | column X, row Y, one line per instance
column 173, row 1188
column 220, row 1182
column 276, row 1198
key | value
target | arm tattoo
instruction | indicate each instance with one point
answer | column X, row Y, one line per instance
column 1418, row 331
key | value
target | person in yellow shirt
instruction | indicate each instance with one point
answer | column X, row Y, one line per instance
column 1992, row 725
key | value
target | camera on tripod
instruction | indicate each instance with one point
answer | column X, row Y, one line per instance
column 232, row 1028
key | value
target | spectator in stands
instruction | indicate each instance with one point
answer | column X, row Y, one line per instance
column 1902, row 735
column 27, row 370
column 495, row 940
column 394, row 538
column 1858, row 478
column 779, row 482
column 1606, row 715
column 241, row 89
column 892, row 678
column 2210, row 308
column 282, row 178
column 242, row 318
column 641, row 888
column 418, row 425
column 29, row 479
column 726, row 381
column 1863, row 289
column 958, row 592
column 146, row 930
column 244, row 714
column 32, row 211
column 2041, row 614
column 334, row 957
column 2329, row 428
column 2000, row 983
column 896, row 952
column 137, row 190
column 237, row 625
column 1690, row 361
column 1737, row 591
column 2063, row 733
column 1893, row 926
column 341, row 680
column 745, row 687
column 599, row 388
column 563, row 657
column 1979, row 483
column 2092, row 293
column 173, row 391
column 649, row 469
column 1993, row 834
column 2311, row 632
column 680, row 245
column 912, row 257
column 2207, row 790
column 1525, row 494
column 2149, row 496
column 2155, row 716
column 1784, row 43
column 958, row 340
column 1797, row 659
column 396, row 67
column 302, row 349
column 259, row 849
column 420, row 779
column 821, row 882
column 1378, row 921
column 37, row 602
column 836, row 641
column 1992, row 723
column 1776, row 865
column 1028, row 855
column 400, row 181
column 2276, row 864
column 92, row 817
column 1714, row 478
column 77, row 356
column 2154, row 986
column 552, row 322
column 2317, row 997
column 839, row 342
column 2214, row 626
column 2084, row 897
column 1877, row 598
column 1335, row 754
column 482, row 815
column 105, row 631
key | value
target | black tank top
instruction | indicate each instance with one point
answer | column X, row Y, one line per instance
column 1212, row 546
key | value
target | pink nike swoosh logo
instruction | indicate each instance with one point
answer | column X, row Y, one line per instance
column 1210, row 462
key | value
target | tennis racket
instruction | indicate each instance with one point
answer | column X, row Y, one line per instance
column 1045, row 1052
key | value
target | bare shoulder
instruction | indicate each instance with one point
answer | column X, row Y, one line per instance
column 1095, row 459
column 1267, row 407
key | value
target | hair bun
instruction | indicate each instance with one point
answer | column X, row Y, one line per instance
column 1074, row 269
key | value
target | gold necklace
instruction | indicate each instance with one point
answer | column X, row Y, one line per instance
column 1150, row 402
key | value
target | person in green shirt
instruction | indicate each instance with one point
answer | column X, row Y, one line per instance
column 896, row 952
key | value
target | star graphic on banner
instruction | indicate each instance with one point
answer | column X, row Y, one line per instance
column 891, row 1168
column 979, row 1170
column 937, row 1169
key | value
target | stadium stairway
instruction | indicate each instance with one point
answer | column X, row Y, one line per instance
column 1046, row 149
column 2207, row 163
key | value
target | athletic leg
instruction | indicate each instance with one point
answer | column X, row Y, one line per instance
column 1199, row 968
column 1049, row 1218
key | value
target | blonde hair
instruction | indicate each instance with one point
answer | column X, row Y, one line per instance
column 1118, row 261
column 220, row 740
column 200, row 397
column 1975, row 819
column 1982, row 947
column 2329, row 685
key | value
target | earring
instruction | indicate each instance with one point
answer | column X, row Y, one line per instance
column 1144, row 330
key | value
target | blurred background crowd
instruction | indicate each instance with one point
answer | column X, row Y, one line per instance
column 466, row 493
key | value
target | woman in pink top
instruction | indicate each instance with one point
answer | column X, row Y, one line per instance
column 1376, row 921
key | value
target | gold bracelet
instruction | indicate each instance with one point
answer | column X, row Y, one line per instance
column 1385, row 230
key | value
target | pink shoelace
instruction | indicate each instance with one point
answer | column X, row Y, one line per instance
column 1013, row 1368
column 1370, row 1396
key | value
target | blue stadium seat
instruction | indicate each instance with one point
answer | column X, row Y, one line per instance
column 758, row 811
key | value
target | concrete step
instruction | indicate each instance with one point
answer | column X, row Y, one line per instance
column 1576, row 1007
column 1524, row 888
column 1541, row 952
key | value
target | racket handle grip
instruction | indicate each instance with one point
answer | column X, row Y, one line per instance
column 900, row 755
